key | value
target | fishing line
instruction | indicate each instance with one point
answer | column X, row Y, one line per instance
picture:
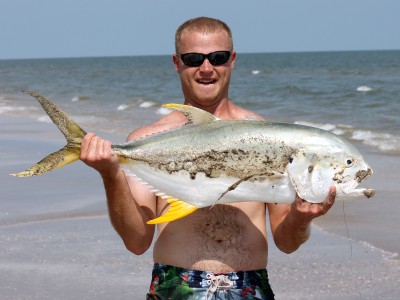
column 351, row 250
column 348, row 233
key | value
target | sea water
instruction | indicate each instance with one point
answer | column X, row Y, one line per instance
column 355, row 94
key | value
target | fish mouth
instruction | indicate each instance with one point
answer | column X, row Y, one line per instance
column 362, row 174
column 350, row 188
column 360, row 177
column 369, row 193
column 362, row 192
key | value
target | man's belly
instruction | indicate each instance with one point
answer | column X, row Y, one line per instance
column 225, row 238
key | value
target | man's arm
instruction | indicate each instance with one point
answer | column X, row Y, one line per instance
column 130, row 204
column 290, row 224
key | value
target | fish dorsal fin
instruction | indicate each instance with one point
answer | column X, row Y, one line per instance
column 177, row 210
column 193, row 114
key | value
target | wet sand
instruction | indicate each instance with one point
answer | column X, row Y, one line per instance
column 83, row 258
column 56, row 241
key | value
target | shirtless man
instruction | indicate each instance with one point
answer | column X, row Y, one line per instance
column 219, row 252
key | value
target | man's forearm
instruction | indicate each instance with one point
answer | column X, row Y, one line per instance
column 294, row 225
column 291, row 233
column 126, row 215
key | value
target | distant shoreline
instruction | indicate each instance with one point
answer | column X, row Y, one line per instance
column 170, row 54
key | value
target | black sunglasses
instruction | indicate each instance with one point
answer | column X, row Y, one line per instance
column 216, row 58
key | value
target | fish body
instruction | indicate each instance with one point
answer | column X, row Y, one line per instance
column 210, row 161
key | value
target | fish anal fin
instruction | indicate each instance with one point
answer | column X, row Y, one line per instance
column 177, row 210
column 193, row 114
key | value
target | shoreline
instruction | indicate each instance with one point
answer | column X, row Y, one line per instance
column 375, row 220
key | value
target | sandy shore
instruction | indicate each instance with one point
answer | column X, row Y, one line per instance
column 82, row 258
column 56, row 241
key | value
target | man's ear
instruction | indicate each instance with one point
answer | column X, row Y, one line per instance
column 233, row 59
column 175, row 59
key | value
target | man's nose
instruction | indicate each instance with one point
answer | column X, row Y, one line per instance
column 206, row 66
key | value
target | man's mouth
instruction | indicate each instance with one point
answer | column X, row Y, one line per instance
column 206, row 81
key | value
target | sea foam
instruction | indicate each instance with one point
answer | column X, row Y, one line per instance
column 385, row 142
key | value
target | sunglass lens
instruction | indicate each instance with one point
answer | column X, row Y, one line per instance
column 193, row 59
column 219, row 57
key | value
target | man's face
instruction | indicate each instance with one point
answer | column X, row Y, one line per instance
column 205, row 85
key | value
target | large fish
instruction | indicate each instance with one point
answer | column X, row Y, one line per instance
column 210, row 161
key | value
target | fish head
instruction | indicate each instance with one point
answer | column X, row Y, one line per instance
column 350, row 171
column 312, row 173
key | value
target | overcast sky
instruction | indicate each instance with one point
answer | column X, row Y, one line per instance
column 82, row 28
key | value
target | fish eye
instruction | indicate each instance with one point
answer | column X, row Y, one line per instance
column 349, row 162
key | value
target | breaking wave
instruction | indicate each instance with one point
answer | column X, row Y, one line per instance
column 384, row 142
column 364, row 88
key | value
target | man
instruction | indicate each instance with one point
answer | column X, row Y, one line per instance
column 214, row 252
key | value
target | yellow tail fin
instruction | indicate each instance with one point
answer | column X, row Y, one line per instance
column 178, row 209
column 51, row 162
column 72, row 132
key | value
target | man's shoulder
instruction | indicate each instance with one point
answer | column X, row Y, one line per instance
column 168, row 122
column 177, row 119
column 240, row 113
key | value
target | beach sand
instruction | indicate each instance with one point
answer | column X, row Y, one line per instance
column 82, row 258
column 56, row 241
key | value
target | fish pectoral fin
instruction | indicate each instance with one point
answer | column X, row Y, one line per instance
column 237, row 183
column 193, row 114
column 232, row 187
column 53, row 161
column 177, row 210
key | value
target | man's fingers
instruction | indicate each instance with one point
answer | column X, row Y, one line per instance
column 329, row 200
column 331, row 196
column 86, row 140
column 316, row 209
column 85, row 145
column 94, row 148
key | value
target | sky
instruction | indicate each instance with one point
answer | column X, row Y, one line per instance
column 87, row 28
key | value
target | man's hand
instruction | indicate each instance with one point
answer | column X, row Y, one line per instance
column 307, row 211
column 98, row 154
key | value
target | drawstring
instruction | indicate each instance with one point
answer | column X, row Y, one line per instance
column 219, row 282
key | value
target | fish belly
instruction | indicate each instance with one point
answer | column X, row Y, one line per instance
column 203, row 191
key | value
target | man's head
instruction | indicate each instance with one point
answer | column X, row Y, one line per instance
column 204, row 59
column 202, row 25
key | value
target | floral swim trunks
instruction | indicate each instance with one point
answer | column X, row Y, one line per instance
column 174, row 283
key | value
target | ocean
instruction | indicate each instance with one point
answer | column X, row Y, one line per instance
column 355, row 94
